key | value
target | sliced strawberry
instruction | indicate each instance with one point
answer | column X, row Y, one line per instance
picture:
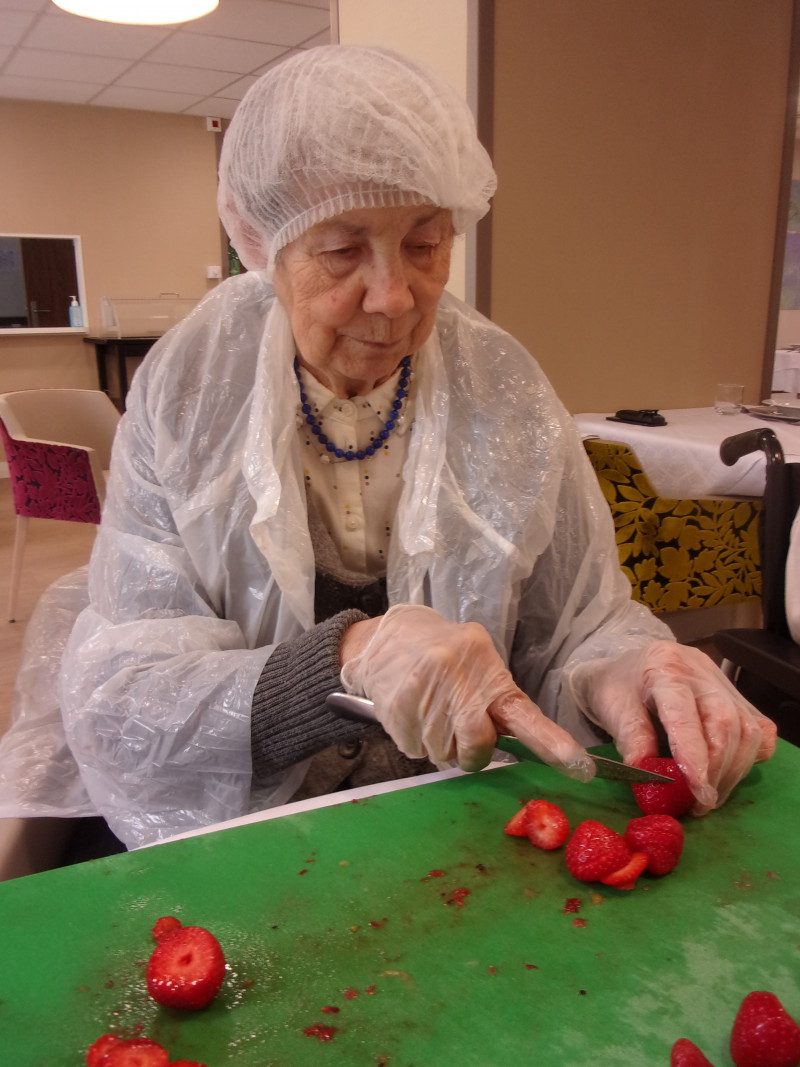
column 660, row 836
column 625, row 877
column 686, row 1054
column 97, row 1052
column 165, row 925
column 517, row 825
column 547, row 825
column 186, row 969
column 595, row 851
column 663, row 798
column 138, row 1052
column 764, row 1034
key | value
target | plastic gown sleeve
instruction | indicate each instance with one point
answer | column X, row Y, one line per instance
column 38, row 774
column 156, row 688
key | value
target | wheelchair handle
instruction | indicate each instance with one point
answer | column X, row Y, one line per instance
column 742, row 444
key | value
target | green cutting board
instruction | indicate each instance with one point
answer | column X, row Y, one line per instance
column 441, row 940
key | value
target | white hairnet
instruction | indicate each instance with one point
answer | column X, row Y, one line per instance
column 342, row 127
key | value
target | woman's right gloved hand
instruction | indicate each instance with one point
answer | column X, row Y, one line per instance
column 441, row 690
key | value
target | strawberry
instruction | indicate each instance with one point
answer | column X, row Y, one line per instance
column 625, row 877
column 165, row 925
column 138, row 1052
column 517, row 825
column 663, row 798
column 97, row 1052
column 186, row 969
column 660, row 836
column 686, row 1054
column 764, row 1034
column 594, row 851
column 547, row 825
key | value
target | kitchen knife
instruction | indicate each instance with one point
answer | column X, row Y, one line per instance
column 360, row 709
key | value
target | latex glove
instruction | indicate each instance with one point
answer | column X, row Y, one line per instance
column 441, row 690
column 714, row 734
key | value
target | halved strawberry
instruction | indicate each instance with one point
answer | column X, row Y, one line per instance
column 138, row 1052
column 186, row 969
column 594, row 851
column 663, row 798
column 660, row 836
column 165, row 925
column 686, row 1054
column 547, row 825
column 625, row 877
column 517, row 825
column 98, row 1050
column 764, row 1034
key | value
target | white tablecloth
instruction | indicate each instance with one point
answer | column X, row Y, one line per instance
column 786, row 370
column 681, row 459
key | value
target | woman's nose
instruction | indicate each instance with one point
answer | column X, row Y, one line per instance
column 387, row 290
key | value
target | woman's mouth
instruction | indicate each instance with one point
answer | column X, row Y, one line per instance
column 380, row 345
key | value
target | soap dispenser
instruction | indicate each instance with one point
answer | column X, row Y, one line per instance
column 75, row 312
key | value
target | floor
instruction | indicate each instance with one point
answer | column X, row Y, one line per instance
column 52, row 549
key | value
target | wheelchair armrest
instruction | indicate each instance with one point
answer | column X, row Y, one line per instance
column 770, row 656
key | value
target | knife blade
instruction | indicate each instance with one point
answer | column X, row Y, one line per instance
column 360, row 709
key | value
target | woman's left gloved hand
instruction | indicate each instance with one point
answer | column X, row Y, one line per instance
column 714, row 734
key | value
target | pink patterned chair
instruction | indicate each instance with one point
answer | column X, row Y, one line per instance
column 58, row 446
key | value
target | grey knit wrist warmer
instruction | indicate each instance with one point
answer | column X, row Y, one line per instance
column 290, row 721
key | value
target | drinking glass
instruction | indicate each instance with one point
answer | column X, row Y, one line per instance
column 728, row 398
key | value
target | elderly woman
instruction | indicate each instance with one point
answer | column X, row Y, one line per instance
column 333, row 473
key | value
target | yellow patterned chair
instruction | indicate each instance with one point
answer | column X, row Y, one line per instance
column 677, row 554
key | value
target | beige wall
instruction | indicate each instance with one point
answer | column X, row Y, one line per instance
column 638, row 149
column 637, row 146
column 138, row 187
column 440, row 35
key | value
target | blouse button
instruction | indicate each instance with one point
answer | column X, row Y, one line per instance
column 352, row 523
column 347, row 409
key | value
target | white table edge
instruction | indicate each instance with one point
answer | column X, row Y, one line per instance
column 328, row 800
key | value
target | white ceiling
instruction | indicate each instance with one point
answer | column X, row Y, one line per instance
column 202, row 67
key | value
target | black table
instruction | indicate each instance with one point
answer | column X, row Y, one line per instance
column 119, row 348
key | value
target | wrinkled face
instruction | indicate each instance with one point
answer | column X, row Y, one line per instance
column 361, row 291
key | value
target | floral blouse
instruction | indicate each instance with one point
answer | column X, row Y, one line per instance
column 356, row 499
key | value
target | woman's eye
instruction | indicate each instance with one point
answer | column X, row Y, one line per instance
column 340, row 259
column 341, row 252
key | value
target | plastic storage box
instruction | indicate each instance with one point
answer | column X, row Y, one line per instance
column 143, row 316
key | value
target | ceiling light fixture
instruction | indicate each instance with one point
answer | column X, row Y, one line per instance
column 139, row 12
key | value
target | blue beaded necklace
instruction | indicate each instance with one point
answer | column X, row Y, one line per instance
column 377, row 442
